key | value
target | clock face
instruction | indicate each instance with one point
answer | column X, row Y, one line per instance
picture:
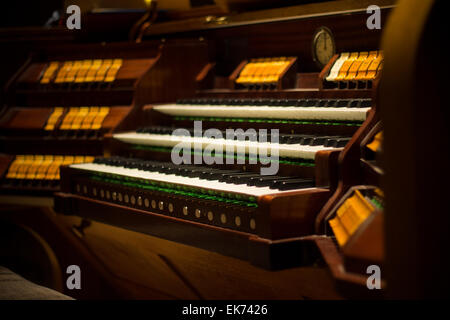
column 323, row 47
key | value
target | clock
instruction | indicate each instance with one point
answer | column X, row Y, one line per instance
column 323, row 46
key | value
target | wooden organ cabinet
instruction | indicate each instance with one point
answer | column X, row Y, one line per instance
column 299, row 93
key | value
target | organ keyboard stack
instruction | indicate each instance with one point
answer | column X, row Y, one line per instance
column 208, row 149
column 218, row 147
column 221, row 194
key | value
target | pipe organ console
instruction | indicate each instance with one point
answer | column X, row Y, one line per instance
column 198, row 170
column 231, row 142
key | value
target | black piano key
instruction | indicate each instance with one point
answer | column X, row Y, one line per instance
column 311, row 103
column 277, row 181
column 237, row 102
column 215, row 174
column 239, row 178
column 324, row 140
column 148, row 130
column 208, row 174
column 224, row 176
column 262, row 181
column 264, row 102
column 260, row 102
column 284, row 138
column 342, row 142
column 184, row 170
column 303, row 139
column 244, row 179
column 293, row 139
column 331, row 103
column 150, row 166
column 306, row 140
column 366, row 103
column 331, row 143
column 248, row 102
column 252, row 102
column 166, row 130
column 318, row 141
column 99, row 160
column 198, row 168
column 205, row 173
column 301, row 103
column 336, row 142
column 165, row 167
column 355, row 103
column 342, row 103
column 130, row 164
column 156, row 130
column 118, row 162
column 289, row 184
column 322, row 103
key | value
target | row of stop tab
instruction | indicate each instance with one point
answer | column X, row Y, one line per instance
column 41, row 167
column 356, row 66
column 79, row 71
column 77, row 118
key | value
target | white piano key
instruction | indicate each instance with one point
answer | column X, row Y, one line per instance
column 334, row 72
column 265, row 112
column 284, row 150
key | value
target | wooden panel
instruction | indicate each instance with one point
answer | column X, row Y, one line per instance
column 134, row 68
column 266, row 253
column 114, row 117
column 132, row 261
column 208, row 275
column 173, row 75
column 366, row 246
column 292, row 214
column 287, row 37
column 5, row 161
column 32, row 73
column 29, row 118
